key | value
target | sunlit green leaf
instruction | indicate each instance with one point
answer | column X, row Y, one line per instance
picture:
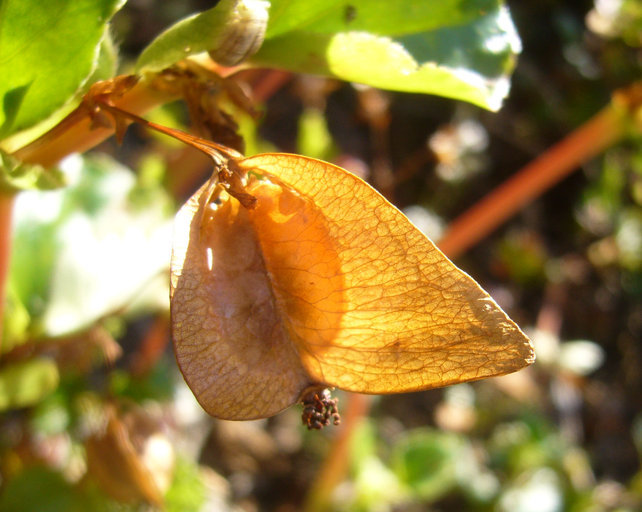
column 105, row 68
column 380, row 16
column 628, row 237
column 458, row 49
column 314, row 139
column 543, row 485
column 52, row 415
column 25, row 383
column 47, row 51
column 523, row 445
column 88, row 250
column 374, row 482
column 187, row 491
column 364, row 443
column 231, row 31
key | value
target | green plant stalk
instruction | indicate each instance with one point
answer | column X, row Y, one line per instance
column 590, row 139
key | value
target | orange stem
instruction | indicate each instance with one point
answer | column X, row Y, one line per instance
column 592, row 138
column 151, row 347
column 204, row 145
column 267, row 83
column 77, row 132
column 6, row 213
column 335, row 465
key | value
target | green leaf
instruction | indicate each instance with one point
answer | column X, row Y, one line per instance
column 33, row 252
column 27, row 382
column 187, row 492
column 47, row 50
column 154, row 386
column 90, row 249
column 52, row 416
column 374, row 483
column 377, row 16
column 314, row 139
column 39, row 489
column 427, row 462
column 105, row 68
column 230, row 31
column 15, row 175
column 16, row 321
column 459, row 49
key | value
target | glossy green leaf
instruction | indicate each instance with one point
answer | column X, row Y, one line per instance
column 458, row 49
column 230, row 31
column 27, row 382
column 377, row 16
column 90, row 249
column 47, row 51
column 105, row 68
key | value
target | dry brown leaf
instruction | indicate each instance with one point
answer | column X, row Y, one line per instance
column 321, row 283
column 117, row 467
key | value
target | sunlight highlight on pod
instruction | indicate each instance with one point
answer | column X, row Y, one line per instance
column 290, row 274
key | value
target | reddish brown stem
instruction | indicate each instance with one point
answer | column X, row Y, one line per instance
column 151, row 347
column 206, row 146
column 336, row 462
column 267, row 82
column 592, row 138
column 76, row 133
column 6, row 213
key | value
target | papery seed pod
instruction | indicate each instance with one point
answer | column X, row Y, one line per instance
column 321, row 282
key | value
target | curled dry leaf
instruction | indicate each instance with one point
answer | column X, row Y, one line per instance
column 321, row 282
column 118, row 467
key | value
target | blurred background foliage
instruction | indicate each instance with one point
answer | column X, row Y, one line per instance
column 88, row 321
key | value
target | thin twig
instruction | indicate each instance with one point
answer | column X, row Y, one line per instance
column 335, row 465
column 592, row 138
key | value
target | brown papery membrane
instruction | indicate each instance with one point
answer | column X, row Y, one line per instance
column 322, row 282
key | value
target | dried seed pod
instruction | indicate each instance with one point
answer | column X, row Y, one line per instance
column 320, row 282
